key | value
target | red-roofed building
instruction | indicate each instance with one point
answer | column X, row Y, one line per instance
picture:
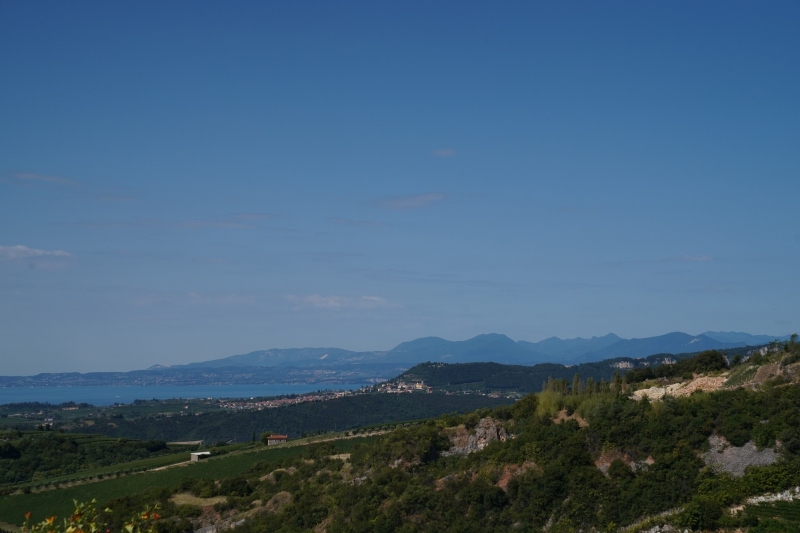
column 276, row 439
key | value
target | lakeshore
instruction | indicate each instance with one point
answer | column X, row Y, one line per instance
column 107, row 395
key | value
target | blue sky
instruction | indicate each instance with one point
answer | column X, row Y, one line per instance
column 181, row 181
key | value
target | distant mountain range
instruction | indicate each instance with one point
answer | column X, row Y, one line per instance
column 335, row 365
column 492, row 347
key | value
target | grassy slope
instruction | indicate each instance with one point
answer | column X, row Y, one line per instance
column 59, row 502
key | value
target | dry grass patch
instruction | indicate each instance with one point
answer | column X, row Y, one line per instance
column 562, row 416
column 190, row 499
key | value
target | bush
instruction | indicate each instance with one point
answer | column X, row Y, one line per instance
column 702, row 513
column 550, row 403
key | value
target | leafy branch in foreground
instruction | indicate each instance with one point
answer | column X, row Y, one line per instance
column 87, row 519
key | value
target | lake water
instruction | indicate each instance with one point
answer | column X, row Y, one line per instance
column 111, row 395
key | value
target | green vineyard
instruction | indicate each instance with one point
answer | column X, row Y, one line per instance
column 775, row 517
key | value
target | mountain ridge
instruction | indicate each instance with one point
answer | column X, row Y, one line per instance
column 490, row 347
column 335, row 365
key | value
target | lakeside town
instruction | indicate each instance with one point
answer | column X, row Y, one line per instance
column 388, row 387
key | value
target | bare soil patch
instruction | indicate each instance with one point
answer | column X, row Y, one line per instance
column 185, row 498
column 562, row 416
column 766, row 372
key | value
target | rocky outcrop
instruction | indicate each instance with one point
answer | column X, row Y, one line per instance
column 724, row 457
column 465, row 442
column 702, row 383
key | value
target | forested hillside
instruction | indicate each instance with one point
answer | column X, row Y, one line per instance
column 617, row 461
column 579, row 456
column 314, row 417
column 495, row 377
column 47, row 454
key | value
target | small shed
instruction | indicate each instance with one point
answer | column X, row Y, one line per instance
column 276, row 439
column 199, row 456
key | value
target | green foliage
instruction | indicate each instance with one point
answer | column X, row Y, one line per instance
column 401, row 481
column 60, row 501
column 702, row 513
column 487, row 377
column 526, row 407
column 297, row 420
column 549, row 404
column 37, row 455
column 708, row 361
column 415, row 445
column 777, row 517
column 85, row 518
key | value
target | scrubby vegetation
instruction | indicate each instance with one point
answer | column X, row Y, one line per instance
column 41, row 455
column 708, row 361
column 296, row 420
column 581, row 455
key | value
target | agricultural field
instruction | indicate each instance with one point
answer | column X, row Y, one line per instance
column 69, row 416
column 775, row 517
column 60, row 501
column 33, row 458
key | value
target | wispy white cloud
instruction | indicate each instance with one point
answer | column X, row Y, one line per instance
column 407, row 203
column 356, row 223
column 335, row 302
column 33, row 178
column 23, row 252
column 444, row 152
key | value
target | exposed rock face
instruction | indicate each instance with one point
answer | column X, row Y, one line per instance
column 785, row 496
column 724, row 457
column 703, row 383
column 465, row 442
